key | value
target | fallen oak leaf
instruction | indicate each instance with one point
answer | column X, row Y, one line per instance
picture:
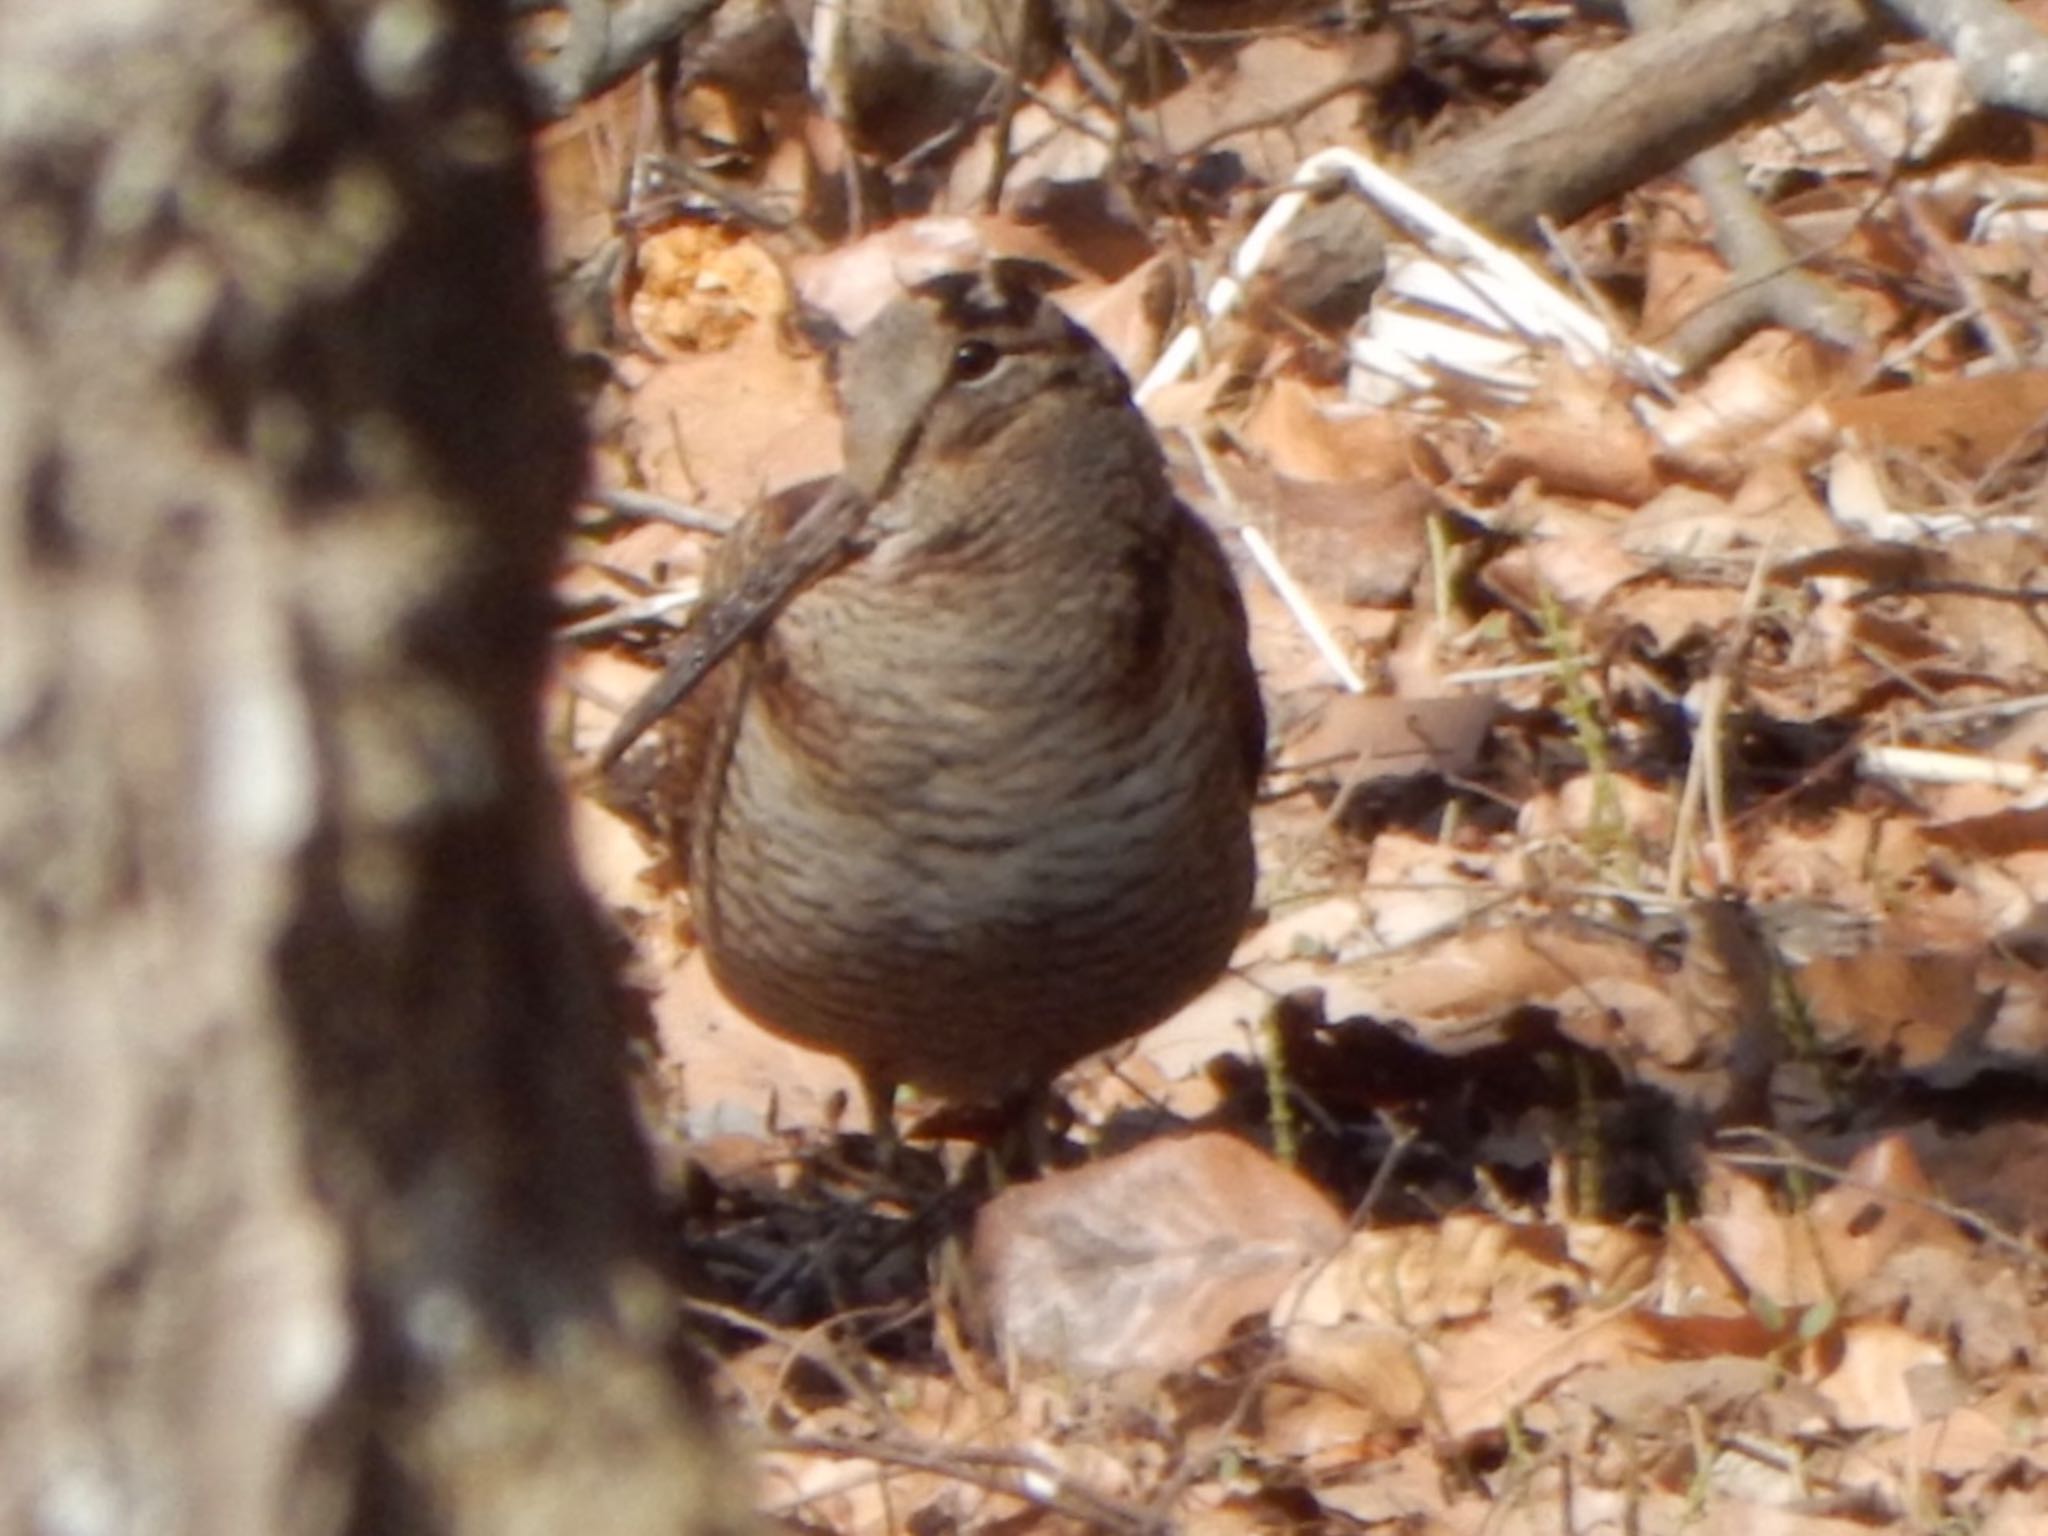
column 1144, row 1263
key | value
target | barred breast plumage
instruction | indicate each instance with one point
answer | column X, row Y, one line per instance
column 973, row 801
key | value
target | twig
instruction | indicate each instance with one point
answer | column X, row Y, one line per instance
column 648, row 507
column 1488, row 677
column 582, row 53
column 1277, row 575
column 1607, row 123
column 814, row 1345
column 1926, row 765
column 1968, row 285
column 627, row 615
column 1766, row 285
column 2004, row 56
column 742, row 207
column 1996, row 709
column 1706, row 774
column 607, row 43
column 1588, row 293
column 1016, row 1474
column 1368, row 79
column 1010, row 96
column 1784, row 1157
column 2024, row 597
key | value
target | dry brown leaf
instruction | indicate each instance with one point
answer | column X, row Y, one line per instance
column 1359, row 739
column 1887, row 1378
column 1696, row 1280
column 1302, row 435
column 1905, row 1002
column 1400, row 1492
column 1272, row 74
column 1129, row 315
column 1736, row 1517
column 1145, row 1262
column 1971, row 424
column 1185, row 404
column 577, row 162
column 1449, row 991
column 1486, row 1372
column 852, row 282
column 610, row 857
column 1577, row 437
column 1689, row 521
column 1682, row 272
column 1636, row 1021
column 1878, row 1209
column 1314, row 1427
column 725, row 429
column 1967, row 1442
column 1671, row 613
column 737, row 1076
column 1774, row 510
column 1950, row 1294
column 1376, row 1368
column 1224, row 1516
column 1854, row 860
column 1906, row 109
column 2003, row 639
column 1772, row 1252
column 1456, row 1319
column 1062, row 159
column 1418, row 1278
column 1642, row 809
column 1903, row 643
column 1713, row 430
column 1999, row 1170
column 1659, row 1395
column 1995, row 834
column 1422, row 889
column 1344, row 542
column 1573, row 555
column 1467, row 1324
column 1617, row 1260
column 2019, row 1029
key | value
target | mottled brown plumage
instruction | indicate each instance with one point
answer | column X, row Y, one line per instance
column 972, row 799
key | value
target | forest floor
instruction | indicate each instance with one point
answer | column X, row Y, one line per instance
column 1629, row 1111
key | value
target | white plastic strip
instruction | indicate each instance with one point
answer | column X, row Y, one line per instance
column 1515, row 292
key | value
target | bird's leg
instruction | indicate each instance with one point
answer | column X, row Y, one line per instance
column 1029, row 1137
column 878, row 1092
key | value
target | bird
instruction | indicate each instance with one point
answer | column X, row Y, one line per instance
column 959, row 759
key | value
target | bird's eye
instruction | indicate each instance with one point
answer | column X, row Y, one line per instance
column 974, row 360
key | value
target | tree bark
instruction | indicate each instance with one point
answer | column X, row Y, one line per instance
column 321, row 1207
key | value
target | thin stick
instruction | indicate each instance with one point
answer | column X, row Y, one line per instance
column 648, row 507
column 1277, row 575
column 1706, row 772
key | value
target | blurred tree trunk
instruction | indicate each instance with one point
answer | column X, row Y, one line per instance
column 320, row 1203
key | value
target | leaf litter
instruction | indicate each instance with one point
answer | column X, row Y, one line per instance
column 1558, row 1147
